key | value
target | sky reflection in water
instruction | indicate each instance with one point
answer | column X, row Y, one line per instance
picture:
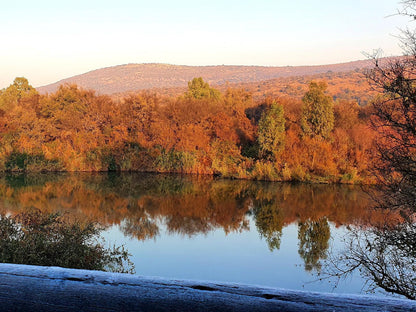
column 235, row 257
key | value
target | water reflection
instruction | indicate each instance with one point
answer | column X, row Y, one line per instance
column 313, row 242
column 52, row 239
column 145, row 206
column 385, row 256
column 193, row 205
column 269, row 222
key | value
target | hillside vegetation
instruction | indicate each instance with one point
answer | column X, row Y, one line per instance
column 135, row 77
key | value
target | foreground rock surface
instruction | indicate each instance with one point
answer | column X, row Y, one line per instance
column 34, row 288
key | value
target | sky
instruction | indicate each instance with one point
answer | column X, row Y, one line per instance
column 46, row 41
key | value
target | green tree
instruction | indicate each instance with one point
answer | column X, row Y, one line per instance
column 16, row 93
column 317, row 111
column 271, row 132
column 199, row 89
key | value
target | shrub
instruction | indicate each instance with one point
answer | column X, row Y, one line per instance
column 265, row 170
column 226, row 158
column 17, row 161
column 286, row 173
column 299, row 174
column 25, row 162
column 175, row 161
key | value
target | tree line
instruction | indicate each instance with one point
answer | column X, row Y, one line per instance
column 203, row 131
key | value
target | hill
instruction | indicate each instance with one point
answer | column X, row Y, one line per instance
column 135, row 77
column 352, row 85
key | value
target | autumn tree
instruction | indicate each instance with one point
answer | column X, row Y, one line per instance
column 271, row 132
column 346, row 114
column 317, row 112
column 140, row 112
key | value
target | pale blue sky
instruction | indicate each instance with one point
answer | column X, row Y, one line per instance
column 46, row 41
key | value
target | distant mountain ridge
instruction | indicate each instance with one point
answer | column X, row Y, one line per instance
column 135, row 77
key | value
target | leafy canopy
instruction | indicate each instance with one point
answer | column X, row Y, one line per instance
column 271, row 131
column 317, row 111
column 199, row 89
column 16, row 93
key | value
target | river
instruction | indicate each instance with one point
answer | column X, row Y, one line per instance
column 190, row 227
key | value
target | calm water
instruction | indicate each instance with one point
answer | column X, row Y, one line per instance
column 183, row 227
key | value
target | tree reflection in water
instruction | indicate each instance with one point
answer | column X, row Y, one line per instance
column 51, row 239
column 142, row 206
column 141, row 227
column 269, row 222
column 313, row 242
column 385, row 256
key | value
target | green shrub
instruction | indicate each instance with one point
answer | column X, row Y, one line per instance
column 17, row 161
column 265, row 170
column 175, row 161
column 299, row 174
column 350, row 177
